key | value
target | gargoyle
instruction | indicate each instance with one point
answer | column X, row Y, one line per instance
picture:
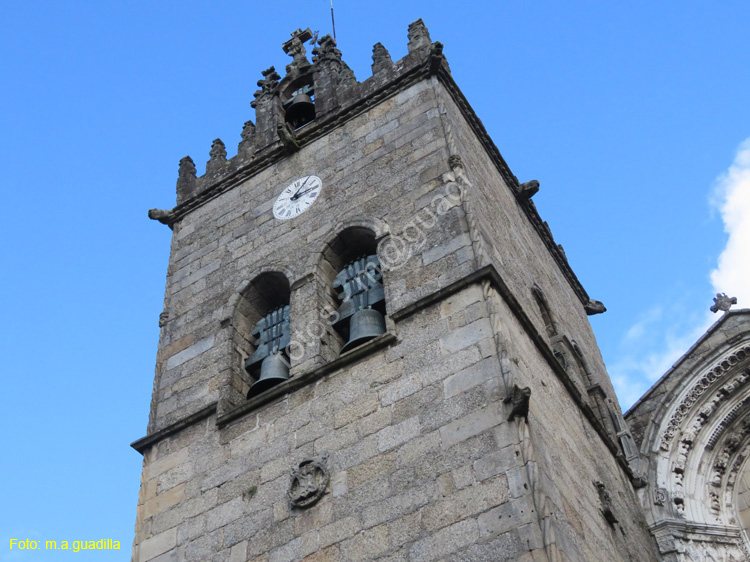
column 594, row 307
column 528, row 189
column 164, row 216
column 519, row 400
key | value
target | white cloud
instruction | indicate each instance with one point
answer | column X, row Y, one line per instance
column 663, row 334
column 651, row 346
column 732, row 198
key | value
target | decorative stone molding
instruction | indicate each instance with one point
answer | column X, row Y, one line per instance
column 735, row 412
column 698, row 389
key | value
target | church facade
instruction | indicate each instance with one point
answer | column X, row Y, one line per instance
column 372, row 347
column 693, row 429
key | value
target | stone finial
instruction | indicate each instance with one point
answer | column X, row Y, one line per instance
column 723, row 302
column 268, row 85
column 326, row 51
column 218, row 156
column 187, row 169
column 295, row 48
column 594, row 307
column 247, row 143
column 519, row 399
column 248, row 131
column 381, row 59
column 218, row 150
column 418, row 35
column 528, row 189
column 186, row 180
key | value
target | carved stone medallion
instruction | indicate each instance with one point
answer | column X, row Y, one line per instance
column 309, row 481
column 660, row 496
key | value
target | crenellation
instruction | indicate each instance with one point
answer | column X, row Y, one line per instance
column 247, row 146
column 217, row 158
column 187, row 182
column 268, row 109
column 419, row 37
column 381, row 60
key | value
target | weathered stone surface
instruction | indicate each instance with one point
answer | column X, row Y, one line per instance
column 423, row 462
column 158, row 544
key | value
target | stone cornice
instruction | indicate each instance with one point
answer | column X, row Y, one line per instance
column 304, row 379
column 677, row 527
column 487, row 272
column 491, row 273
column 526, row 204
column 142, row 444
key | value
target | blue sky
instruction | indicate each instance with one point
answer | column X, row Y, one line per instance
column 633, row 116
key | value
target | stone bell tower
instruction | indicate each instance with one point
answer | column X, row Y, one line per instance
column 371, row 345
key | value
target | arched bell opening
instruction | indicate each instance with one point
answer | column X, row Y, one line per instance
column 298, row 101
column 262, row 327
column 354, row 293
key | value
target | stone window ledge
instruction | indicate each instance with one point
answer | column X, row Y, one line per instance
column 303, row 379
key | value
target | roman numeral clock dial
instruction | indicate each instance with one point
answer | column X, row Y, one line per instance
column 297, row 198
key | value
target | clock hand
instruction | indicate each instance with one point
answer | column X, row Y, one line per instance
column 300, row 194
column 296, row 193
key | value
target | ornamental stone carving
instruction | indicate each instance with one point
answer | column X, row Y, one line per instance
column 268, row 85
column 722, row 302
column 309, row 481
column 698, row 390
column 660, row 496
column 606, row 503
column 295, row 48
column 519, row 400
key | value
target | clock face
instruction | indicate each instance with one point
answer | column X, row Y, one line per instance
column 297, row 197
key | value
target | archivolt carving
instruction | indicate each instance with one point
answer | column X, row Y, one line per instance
column 722, row 460
column 736, row 411
column 705, row 382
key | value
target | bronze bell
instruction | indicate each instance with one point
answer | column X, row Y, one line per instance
column 364, row 325
column 273, row 370
column 301, row 111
